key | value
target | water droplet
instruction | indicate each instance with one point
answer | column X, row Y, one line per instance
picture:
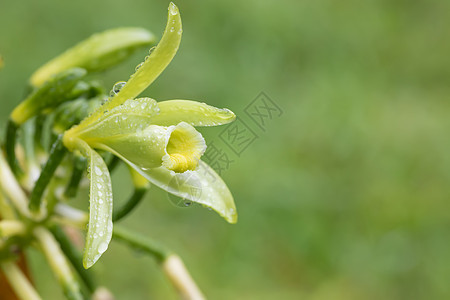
column 172, row 29
column 173, row 10
column 151, row 50
column 138, row 66
column 187, row 203
column 98, row 171
column 116, row 88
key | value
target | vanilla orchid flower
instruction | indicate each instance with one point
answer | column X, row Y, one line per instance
column 157, row 139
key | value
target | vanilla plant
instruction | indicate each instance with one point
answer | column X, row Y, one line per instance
column 67, row 125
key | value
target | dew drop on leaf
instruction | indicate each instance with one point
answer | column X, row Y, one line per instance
column 151, row 50
column 138, row 66
column 116, row 88
column 98, row 171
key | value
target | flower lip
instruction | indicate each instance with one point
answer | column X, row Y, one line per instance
column 184, row 148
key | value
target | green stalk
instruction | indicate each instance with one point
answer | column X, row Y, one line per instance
column 10, row 146
column 128, row 206
column 38, row 127
column 19, row 282
column 171, row 264
column 11, row 227
column 75, row 257
column 113, row 163
column 6, row 210
column 12, row 189
column 77, row 174
column 58, row 263
column 140, row 242
column 56, row 155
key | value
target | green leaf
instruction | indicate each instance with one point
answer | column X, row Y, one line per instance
column 153, row 65
column 54, row 92
column 96, row 53
column 203, row 186
column 100, row 208
column 172, row 112
column 71, row 113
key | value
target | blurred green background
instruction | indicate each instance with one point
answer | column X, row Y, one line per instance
column 344, row 196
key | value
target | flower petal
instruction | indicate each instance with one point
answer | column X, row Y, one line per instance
column 192, row 112
column 178, row 148
column 155, row 63
column 100, row 209
column 203, row 186
column 132, row 116
column 96, row 53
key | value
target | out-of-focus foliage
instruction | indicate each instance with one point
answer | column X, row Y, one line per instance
column 345, row 196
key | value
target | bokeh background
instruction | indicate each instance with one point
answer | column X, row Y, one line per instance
column 344, row 196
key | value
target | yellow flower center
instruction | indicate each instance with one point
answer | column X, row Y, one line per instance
column 184, row 149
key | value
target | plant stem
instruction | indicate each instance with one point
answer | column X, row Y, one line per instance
column 71, row 216
column 113, row 163
column 56, row 155
column 140, row 242
column 180, row 278
column 172, row 264
column 39, row 126
column 58, row 263
column 19, row 282
column 12, row 189
column 74, row 257
column 6, row 210
column 11, row 227
column 128, row 206
column 77, row 174
column 10, row 146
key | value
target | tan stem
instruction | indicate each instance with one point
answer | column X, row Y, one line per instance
column 19, row 282
column 177, row 273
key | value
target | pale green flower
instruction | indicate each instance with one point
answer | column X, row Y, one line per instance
column 157, row 139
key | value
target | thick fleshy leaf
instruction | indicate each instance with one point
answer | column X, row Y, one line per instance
column 96, row 53
column 100, row 207
column 71, row 113
column 132, row 116
column 54, row 92
column 192, row 112
column 153, row 65
column 203, row 186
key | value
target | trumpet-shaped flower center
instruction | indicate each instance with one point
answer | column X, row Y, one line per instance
column 177, row 147
column 184, row 148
